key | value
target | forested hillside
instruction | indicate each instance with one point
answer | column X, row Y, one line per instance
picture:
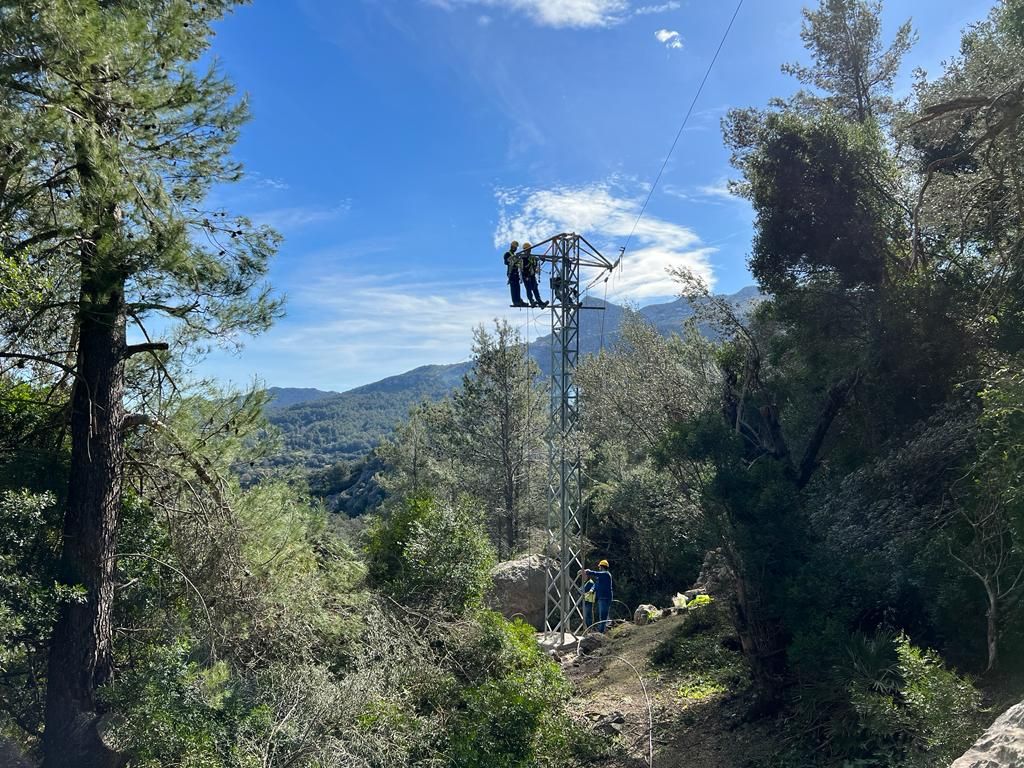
column 282, row 397
column 348, row 425
column 836, row 458
column 320, row 428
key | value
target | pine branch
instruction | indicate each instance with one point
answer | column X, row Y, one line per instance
column 152, row 346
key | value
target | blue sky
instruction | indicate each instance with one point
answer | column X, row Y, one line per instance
column 396, row 144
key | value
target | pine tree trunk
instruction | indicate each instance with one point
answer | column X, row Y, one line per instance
column 510, row 502
column 81, row 646
column 993, row 629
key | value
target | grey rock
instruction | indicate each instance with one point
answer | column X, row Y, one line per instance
column 518, row 589
column 716, row 577
column 642, row 614
column 1001, row 746
column 611, row 724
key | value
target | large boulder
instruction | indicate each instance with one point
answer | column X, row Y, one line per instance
column 518, row 589
column 1001, row 746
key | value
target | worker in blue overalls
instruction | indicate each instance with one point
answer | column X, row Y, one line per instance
column 603, row 592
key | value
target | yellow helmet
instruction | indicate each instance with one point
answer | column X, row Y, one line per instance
column 514, row 244
column 527, row 246
column 603, row 564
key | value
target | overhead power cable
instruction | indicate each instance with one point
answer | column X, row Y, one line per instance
column 682, row 126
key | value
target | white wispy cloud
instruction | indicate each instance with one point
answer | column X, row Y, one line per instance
column 359, row 327
column 669, row 37
column 605, row 213
column 554, row 13
column 647, row 10
column 717, row 192
column 268, row 182
column 291, row 218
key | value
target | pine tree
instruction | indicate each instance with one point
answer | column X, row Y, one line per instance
column 499, row 429
column 850, row 66
column 112, row 136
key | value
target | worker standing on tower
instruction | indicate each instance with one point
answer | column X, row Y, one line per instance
column 531, row 269
column 512, row 264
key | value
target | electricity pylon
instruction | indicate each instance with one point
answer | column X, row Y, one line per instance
column 567, row 253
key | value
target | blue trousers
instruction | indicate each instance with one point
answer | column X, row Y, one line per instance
column 603, row 610
column 588, row 614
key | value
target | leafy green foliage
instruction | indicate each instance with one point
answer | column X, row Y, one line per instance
column 513, row 718
column 891, row 703
column 426, row 553
column 638, row 524
column 819, row 190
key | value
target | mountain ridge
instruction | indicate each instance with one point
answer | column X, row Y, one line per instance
column 328, row 427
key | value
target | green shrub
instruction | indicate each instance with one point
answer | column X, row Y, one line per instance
column 892, row 704
column 511, row 710
column 943, row 707
column 430, row 554
column 172, row 710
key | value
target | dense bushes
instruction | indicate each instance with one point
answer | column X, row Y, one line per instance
column 424, row 553
column 887, row 703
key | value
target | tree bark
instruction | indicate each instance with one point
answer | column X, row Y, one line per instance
column 80, row 657
column 993, row 628
column 761, row 644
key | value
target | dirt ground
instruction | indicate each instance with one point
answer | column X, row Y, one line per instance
column 705, row 733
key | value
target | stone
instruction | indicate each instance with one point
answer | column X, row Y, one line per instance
column 716, row 577
column 557, row 643
column 611, row 724
column 644, row 614
column 591, row 642
column 518, row 589
column 1001, row 746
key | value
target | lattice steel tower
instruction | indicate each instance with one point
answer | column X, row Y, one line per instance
column 567, row 253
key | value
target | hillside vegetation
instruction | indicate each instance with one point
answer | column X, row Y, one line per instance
column 345, row 426
column 321, row 428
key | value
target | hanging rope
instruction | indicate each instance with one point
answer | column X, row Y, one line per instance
column 526, row 434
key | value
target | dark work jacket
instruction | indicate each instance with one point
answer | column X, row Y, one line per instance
column 603, row 584
column 512, row 265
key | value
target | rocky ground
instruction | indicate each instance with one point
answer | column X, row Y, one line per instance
column 695, row 721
